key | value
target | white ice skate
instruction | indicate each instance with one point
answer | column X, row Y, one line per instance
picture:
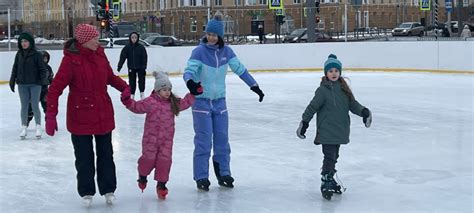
column 23, row 132
column 39, row 131
column 109, row 198
column 142, row 95
column 133, row 97
column 87, row 200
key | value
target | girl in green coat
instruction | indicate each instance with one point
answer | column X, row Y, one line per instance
column 332, row 102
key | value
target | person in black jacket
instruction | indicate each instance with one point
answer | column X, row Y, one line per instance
column 30, row 73
column 44, row 88
column 137, row 58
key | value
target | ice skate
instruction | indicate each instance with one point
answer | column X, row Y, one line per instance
column 203, row 184
column 87, row 200
column 329, row 185
column 133, row 97
column 38, row 132
column 161, row 190
column 226, row 181
column 142, row 182
column 23, row 132
column 109, row 198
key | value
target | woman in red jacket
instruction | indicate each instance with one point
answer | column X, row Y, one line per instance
column 87, row 72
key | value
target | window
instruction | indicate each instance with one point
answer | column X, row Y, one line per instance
column 204, row 2
column 193, row 24
column 251, row 2
column 296, row 1
column 229, row 25
column 237, row 2
column 262, row 2
column 204, row 23
column 465, row 3
column 217, row 2
column 192, row 3
column 136, row 6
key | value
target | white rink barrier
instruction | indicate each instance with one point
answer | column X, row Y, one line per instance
column 426, row 56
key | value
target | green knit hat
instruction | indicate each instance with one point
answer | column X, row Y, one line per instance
column 27, row 37
column 332, row 62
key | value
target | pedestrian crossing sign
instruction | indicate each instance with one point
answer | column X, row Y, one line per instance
column 425, row 5
column 275, row 4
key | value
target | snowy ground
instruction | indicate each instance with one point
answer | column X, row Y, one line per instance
column 416, row 157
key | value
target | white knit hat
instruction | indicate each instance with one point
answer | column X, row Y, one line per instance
column 161, row 80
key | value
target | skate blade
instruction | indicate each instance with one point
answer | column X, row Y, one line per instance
column 22, row 137
column 38, row 137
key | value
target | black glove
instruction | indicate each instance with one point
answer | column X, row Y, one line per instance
column 259, row 92
column 366, row 117
column 12, row 86
column 194, row 88
column 302, row 129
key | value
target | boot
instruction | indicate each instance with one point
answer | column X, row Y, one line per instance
column 142, row 95
column 327, row 185
column 226, row 181
column 142, row 182
column 87, row 200
column 39, row 131
column 109, row 198
column 203, row 184
column 161, row 190
column 23, row 132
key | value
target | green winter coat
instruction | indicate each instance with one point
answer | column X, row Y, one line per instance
column 332, row 106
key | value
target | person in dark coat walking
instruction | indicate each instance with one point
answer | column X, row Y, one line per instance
column 136, row 56
column 30, row 73
column 44, row 88
column 261, row 34
column 332, row 101
column 90, row 114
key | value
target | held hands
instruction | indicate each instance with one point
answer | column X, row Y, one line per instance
column 259, row 92
column 51, row 124
column 302, row 129
column 194, row 88
column 367, row 117
column 126, row 98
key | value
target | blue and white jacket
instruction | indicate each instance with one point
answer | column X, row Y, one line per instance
column 209, row 64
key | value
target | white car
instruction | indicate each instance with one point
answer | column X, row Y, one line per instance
column 121, row 42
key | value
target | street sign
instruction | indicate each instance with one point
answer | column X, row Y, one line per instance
column 279, row 12
column 275, row 4
column 425, row 5
column 449, row 6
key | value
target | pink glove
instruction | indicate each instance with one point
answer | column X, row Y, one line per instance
column 125, row 97
column 51, row 124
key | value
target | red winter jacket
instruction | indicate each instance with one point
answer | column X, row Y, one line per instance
column 87, row 73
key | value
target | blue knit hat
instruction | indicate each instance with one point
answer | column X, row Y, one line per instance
column 332, row 62
column 215, row 25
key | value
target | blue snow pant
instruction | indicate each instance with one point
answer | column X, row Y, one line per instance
column 211, row 124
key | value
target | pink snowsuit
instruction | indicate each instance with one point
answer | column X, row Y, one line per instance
column 158, row 134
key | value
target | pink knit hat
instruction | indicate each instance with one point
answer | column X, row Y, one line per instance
column 85, row 32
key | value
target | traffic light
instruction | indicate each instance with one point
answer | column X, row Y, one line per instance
column 317, row 7
column 103, row 24
column 280, row 20
column 318, row 19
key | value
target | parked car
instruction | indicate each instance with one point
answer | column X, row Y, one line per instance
column 163, row 41
column 408, row 29
column 121, row 42
column 300, row 35
column 146, row 35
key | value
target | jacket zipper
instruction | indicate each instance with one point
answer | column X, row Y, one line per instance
column 217, row 71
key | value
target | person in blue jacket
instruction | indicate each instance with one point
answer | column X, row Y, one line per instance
column 205, row 77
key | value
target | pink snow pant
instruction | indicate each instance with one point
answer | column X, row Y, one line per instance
column 156, row 157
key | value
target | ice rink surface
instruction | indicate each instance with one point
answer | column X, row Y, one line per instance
column 416, row 157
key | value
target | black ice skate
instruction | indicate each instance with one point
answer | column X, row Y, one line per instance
column 226, row 181
column 142, row 181
column 203, row 184
column 329, row 186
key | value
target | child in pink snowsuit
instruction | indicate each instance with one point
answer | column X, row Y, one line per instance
column 160, row 107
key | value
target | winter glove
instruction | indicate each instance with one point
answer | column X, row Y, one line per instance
column 367, row 117
column 194, row 88
column 12, row 86
column 126, row 98
column 302, row 129
column 51, row 124
column 259, row 92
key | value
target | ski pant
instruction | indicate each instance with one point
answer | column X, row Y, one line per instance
column 132, row 80
column 211, row 124
column 158, row 157
column 29, row 95
column 84, row 153
column 44, row 92
column 331, row 154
